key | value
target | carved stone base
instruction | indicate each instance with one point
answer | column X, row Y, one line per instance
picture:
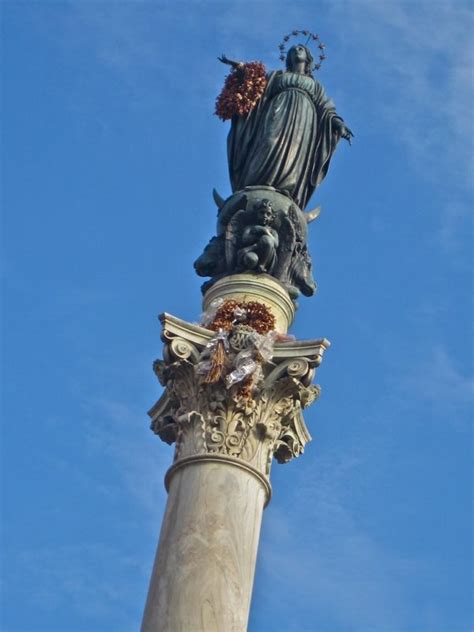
column 255, row 287
column 248, row 238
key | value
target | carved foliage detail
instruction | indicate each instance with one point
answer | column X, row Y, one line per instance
column 203, row 418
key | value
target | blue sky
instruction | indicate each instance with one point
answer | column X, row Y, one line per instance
column 110, row 153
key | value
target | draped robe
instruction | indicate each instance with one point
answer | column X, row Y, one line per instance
column 287, row 139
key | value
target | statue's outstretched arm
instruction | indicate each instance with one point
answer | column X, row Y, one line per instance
column 230, row 62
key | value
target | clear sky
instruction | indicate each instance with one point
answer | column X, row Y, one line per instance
column 110, row 153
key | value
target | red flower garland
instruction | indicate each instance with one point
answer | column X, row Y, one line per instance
column 242, row 90
column 257, row 316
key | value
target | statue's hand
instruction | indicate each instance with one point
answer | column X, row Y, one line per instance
column 225, row 60
column 346, row 133
column 341, row 130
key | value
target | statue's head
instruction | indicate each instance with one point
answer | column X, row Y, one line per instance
column 265, row 213
column 300, row 53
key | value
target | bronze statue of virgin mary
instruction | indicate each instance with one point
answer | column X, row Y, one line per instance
column 287, row 140
column 284, row 132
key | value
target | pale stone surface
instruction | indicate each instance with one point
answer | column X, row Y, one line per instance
column 219, row 482
column 203, row 573
column 209, row 419
column 252, row 287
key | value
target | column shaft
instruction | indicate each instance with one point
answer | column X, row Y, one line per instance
column 204, row 567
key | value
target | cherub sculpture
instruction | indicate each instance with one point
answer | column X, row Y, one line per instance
column 259, row 241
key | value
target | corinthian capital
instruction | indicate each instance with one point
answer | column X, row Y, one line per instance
column 212, row 419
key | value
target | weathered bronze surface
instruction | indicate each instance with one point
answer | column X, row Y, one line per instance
column 244, row 243
column 288, row 139
column 278, row 154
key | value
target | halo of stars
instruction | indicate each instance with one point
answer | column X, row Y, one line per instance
column 314, row 37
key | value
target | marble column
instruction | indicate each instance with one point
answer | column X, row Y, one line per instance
column 219, row 483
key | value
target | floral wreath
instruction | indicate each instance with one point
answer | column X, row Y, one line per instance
column 310, row 37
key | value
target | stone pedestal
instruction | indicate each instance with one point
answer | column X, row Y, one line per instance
column 219, row 482
column 255, row 287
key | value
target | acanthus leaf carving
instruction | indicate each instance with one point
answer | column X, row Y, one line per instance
column 212, row 419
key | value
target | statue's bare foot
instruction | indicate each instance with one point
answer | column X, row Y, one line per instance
column 250, row 260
